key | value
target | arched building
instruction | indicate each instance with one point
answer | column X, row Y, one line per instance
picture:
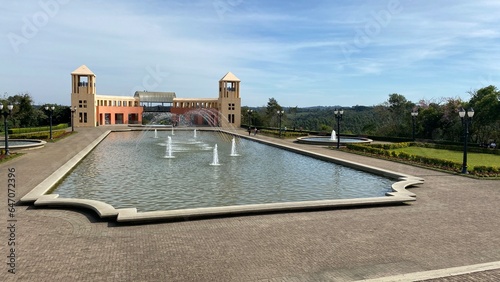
column 224, row 111
column 94, row 110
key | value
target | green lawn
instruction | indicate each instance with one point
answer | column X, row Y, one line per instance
column 473, row 159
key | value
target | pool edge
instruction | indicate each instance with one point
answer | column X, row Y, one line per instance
column 399, row 195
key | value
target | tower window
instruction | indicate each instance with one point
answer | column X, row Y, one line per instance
column 83, row 81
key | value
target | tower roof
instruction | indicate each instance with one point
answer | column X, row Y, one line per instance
column 83, row 70
column 229, row 77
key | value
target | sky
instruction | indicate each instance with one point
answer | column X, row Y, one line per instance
column 301, row 53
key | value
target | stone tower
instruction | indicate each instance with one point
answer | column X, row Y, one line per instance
column 230, row 101
column 83, row 96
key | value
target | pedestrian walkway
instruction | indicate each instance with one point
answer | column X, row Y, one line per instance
column 454, row 223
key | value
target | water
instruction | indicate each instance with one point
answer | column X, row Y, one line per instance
column 126, row 171
column 156, row 133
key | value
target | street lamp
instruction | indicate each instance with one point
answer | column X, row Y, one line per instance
column 5, row 115
column 50, row 117
column 280, row 115
column 249, row 112
column 73, row 110
column 414, row 115
column 466, row 117
column 338, row 116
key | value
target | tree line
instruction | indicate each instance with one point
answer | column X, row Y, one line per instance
column 436, row 119
column 26, row 114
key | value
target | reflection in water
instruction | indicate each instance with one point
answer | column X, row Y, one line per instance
column 124, row 174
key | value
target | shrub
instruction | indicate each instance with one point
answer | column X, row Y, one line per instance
column 486, row 171
column 385, row 150
column 38, row 135
column 37, row 129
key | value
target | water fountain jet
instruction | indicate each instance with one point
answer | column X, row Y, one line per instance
column 168, row 149
column 233, row 148
column 215, row 160
column 333, row 137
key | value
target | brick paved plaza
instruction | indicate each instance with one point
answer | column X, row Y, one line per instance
column 455, row 222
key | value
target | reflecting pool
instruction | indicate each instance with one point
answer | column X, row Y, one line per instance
column 131, row 169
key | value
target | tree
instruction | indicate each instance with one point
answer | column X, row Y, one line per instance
column 23, row 114
column 395, row 116
column 293, row 113
column 60, row 114
column 486, row 113
column 271, row 109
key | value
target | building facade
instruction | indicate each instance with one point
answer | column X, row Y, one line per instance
column 224, row 111
column 95, row 110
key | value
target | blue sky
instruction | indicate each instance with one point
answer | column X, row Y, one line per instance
column 302, row 53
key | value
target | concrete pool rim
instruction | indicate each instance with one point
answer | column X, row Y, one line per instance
column 38, row 195
column 29, row 144
column 324, row 140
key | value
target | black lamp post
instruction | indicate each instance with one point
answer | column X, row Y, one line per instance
column 466, row 117
column 280, row 115
column 73, row 110
column 338, row 116
column 414, row 115
column 249, row 113
column 5, row 115
column 50, row 117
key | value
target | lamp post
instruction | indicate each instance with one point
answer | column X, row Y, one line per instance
column 50, row 117
column 73, row 110
column 280, row 115
column 5, row 115
column 466, row 117
column 338, row 116
column 414, row 115
column 249, row 113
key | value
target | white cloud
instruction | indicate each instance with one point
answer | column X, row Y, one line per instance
column 292, row 52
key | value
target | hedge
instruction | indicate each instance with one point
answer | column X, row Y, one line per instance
column 471, row 149
column 384, row 150
column 37, row 129
column 38, row 135
column 284, row 134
